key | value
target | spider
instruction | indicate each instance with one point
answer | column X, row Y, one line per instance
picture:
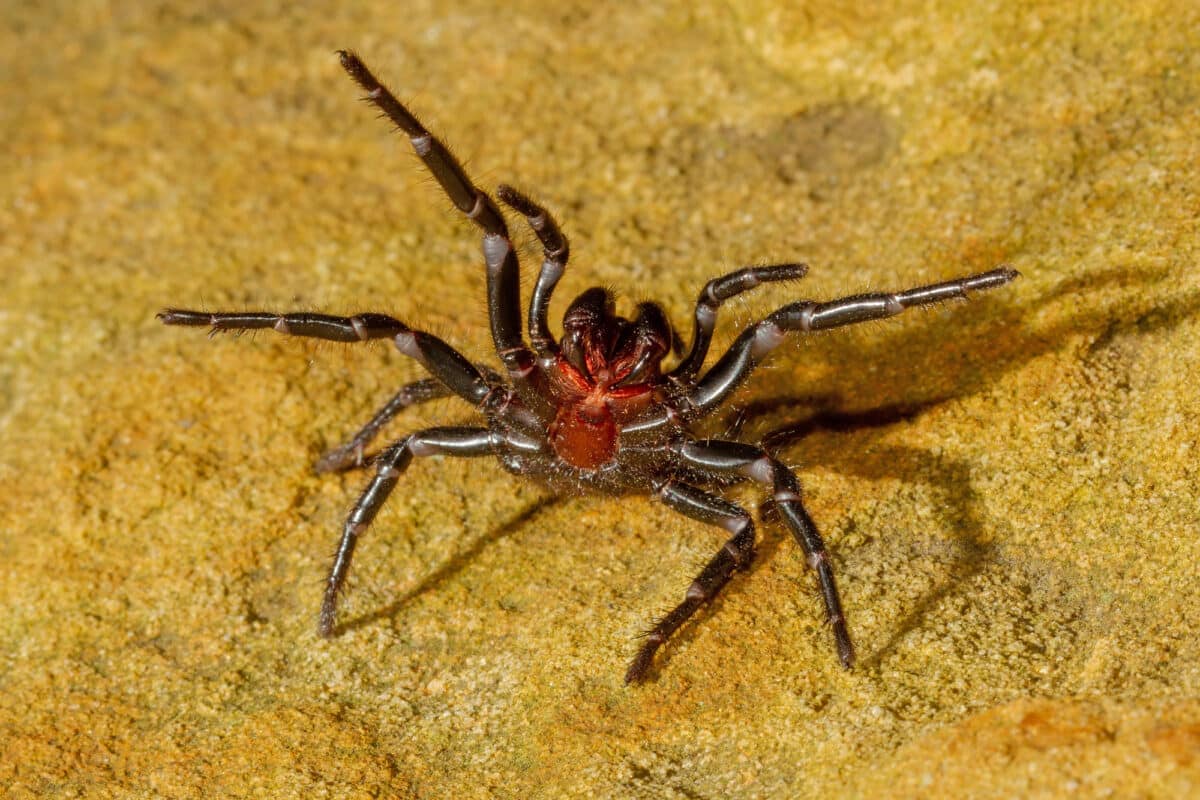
column 594, row 410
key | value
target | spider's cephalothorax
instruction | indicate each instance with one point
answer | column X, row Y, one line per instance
column 604, row 376
column 593, row 410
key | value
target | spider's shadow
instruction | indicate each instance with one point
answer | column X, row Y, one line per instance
column 953, row 479
column 961, row 505
column 452, row 567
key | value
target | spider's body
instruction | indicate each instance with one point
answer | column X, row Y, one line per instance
column 605, row 376
column 594, row 409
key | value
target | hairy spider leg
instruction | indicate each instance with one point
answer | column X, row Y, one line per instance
column 737, row 553
column 446, row 364
column 716, row 292
column 756, row 341
column 355, row 328
column 721, row 457
column 503, row 270
column 464, row 442
column 351, row 455
column 556, row 250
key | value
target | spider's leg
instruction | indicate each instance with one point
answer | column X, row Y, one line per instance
column 752, row 346
column 391, row 463
column 719, row 457
column 503, row 271
column 734, row 555
column 351, row 454
column 449, row 366
column 716, row 292
column 556, row 250
column 355, row 328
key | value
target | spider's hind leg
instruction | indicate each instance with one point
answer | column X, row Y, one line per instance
column 737, row 553
column 389, row 466
column 737, row 458
column 351, row 455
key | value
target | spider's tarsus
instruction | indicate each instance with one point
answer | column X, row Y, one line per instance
column 993, row 278
column 351, row 63
column 179, row 316
column 327, row 625
column 640, row 667
column 338, row 460
column 845, row 650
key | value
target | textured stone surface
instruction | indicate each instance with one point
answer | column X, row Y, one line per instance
column 1014, row 520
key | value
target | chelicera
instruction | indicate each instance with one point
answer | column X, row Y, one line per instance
column 594, row 410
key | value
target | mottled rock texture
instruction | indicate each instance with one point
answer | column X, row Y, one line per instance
column 1013, row 515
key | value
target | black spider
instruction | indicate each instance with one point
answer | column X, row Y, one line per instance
column 593, row 411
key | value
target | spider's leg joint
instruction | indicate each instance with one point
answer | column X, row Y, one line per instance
column 495, row 401
column 406, row 342
column 495, row 249
column 421, row 448
column 741, row 558
column 422, row 144
column 478, row 208
column 518, row 360
column 767, row 336
column 543, row 344
column 734, row 523
column 761, row 470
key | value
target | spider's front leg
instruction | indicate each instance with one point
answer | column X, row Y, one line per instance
column 753, row 345
column 716, row 292
column 503, row 270
column 556, row 250
column 737, row 553
column 719, row 457
column 464, row 442
column 355, row 328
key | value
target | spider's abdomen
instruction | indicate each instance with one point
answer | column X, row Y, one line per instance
column 584, row 434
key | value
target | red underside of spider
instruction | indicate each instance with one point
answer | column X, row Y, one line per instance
column 593, row 410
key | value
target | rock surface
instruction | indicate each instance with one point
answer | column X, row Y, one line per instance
column 1013, row 512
